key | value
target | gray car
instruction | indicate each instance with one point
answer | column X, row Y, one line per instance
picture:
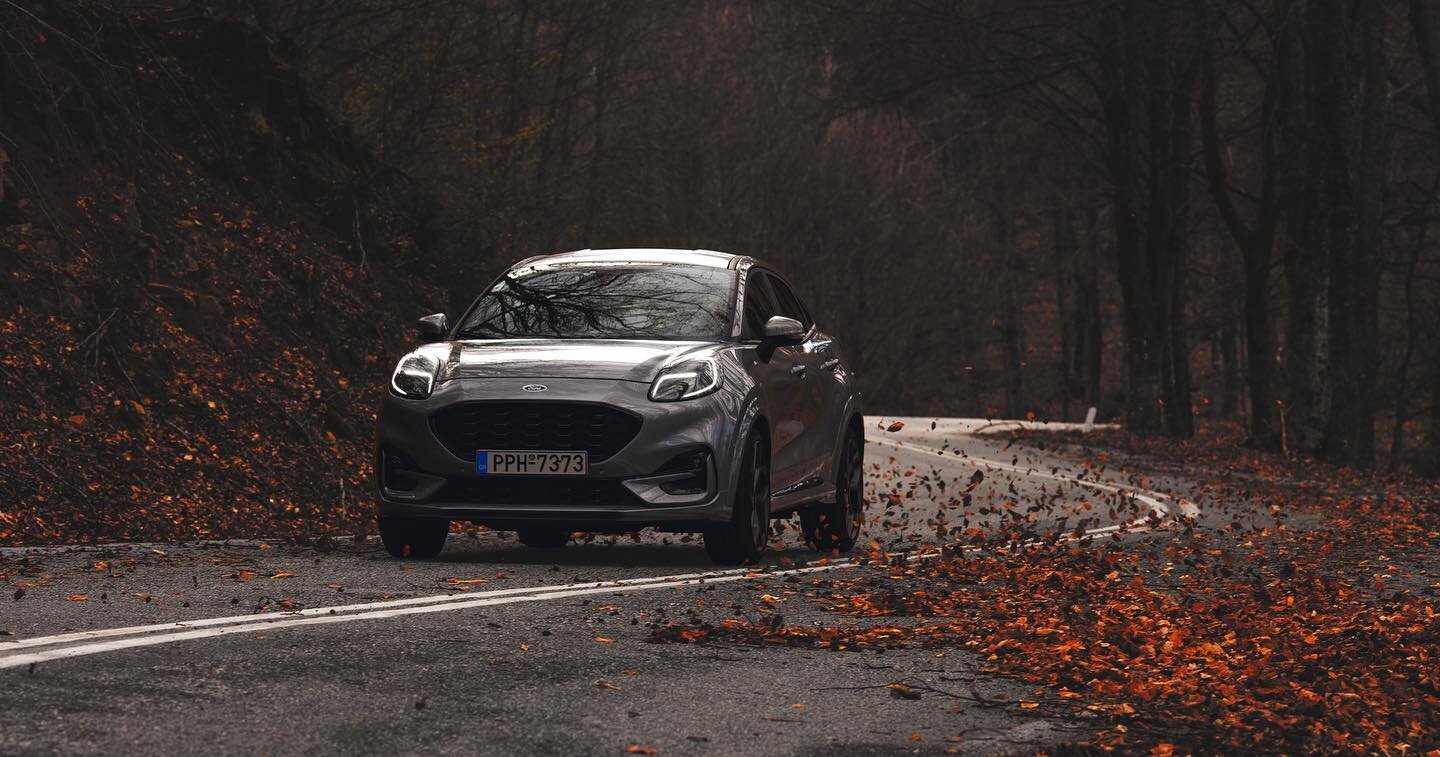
column 614, row 390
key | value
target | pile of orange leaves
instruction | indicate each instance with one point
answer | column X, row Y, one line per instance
column 1276, row 638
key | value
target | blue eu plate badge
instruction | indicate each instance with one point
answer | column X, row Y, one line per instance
column 482, row 462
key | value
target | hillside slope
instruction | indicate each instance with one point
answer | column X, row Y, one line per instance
column 205, row 283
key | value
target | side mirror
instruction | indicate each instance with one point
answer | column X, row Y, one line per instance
column 780, row 331
column 433, row 328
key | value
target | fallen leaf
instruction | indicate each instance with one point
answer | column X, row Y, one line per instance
column 901, row 691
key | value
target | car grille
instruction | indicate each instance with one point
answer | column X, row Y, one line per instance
column 531, row 490
column 599, row 430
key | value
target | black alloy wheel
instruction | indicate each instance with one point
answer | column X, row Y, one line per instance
column 836, row 525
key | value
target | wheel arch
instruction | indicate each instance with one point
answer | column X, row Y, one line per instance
column 759, row 424
column 751, row 420
column 854, row 421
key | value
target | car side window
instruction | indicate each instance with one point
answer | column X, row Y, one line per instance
column 759, row 305
column 788, row 304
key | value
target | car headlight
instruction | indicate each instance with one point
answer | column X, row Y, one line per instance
column 685, row 380
column 414, row 377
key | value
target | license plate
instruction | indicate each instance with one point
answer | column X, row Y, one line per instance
column 502, row 462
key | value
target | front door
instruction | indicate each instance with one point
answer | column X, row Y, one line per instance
column 815, row 443
column 782, row 381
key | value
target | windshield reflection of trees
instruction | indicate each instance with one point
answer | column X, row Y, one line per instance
column 605, row 303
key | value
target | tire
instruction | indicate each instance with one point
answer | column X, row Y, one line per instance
column 415, row 538
column 836, row 525
column 745, row 537
column 543, row 537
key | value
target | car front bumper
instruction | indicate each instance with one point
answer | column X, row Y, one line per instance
column 620, row 493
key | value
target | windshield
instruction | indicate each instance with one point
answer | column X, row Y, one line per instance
column 630, row 301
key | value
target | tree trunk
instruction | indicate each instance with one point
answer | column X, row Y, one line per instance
column 1148, row 74
column 1078, row 294
column 1063, row 226
column 1407, row 355
column 1256, row 240
column 1090, row 325
column 1010, row 323
column 1428, row 46
column 1348, row 96
column 1311, row 205
column 1229, row 354
column 603, row 73
column 1430, row 463
column 1306, row 368
column 1259, row 348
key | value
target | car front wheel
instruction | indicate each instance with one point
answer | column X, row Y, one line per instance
column 744, row 538
column 418, row 538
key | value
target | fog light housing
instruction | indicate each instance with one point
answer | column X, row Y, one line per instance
column 397, row 472
column 692, row 470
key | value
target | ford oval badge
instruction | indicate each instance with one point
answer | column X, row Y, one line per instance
column 534, row 387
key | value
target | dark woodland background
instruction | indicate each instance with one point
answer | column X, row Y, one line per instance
column 218, row 219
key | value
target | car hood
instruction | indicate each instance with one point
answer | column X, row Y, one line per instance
column 620, row 359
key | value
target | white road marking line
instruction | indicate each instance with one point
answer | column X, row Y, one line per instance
column 164, row 633
column 1151, row 498
column 41, row 641
column 19, row 660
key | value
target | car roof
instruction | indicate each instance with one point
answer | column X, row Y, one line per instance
column 709, row 258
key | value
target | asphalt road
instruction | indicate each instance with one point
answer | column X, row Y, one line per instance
column 498, row 649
